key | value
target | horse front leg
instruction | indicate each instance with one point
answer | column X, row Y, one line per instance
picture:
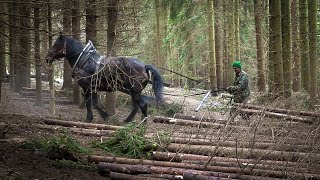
column 95, row 102
column 87, row 97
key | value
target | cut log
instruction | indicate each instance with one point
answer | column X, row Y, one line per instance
column 277, row 115
column 242, row 152
column 197, row 118
column 246, row 144
column 80, row 131
column 278, row 110
column 141, row 168
column 168, row 120
column 230, row 162
column 122, row 176
column 80, row 124
column 147, row 166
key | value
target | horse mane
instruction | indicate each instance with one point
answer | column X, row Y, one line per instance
column 74, row 44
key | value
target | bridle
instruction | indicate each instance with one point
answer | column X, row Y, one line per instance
column 63, row 50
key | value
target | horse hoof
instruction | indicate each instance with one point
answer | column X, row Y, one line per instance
column 88, row 121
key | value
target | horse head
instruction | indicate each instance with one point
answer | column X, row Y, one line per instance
column 58, row 50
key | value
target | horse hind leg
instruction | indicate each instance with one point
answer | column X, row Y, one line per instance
column 133, row 111
column 95, row 102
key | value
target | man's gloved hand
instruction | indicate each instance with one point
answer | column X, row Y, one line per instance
column 229, row 89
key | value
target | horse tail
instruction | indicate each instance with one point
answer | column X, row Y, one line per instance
column 157, row 82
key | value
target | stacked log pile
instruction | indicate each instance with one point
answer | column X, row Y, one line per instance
column 222, row 152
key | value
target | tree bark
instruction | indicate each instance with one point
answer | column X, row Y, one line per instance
column 296, row 64
column 218, row 47
column 2, row 44
column 240, row 152
column 313, row 50
column 137, row 166
column 80, row 131
column 304, row 47
column 80, row 124
column 286, row 47
column 91, row 21
column 212, row 59
column 275, row 50
column 261, row 81
column 76, row 17
column 67, row 30
column 51, row 67
column 180, row 157
column 278, row 110
column 37, row 55
column 24, row 66
column 276, row 115
column 13, row 41
column 113, row 8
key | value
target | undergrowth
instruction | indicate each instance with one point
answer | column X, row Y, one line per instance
column 128, row 141
column 58, row 148
column 165, row 109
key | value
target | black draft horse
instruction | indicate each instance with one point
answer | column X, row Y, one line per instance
column 95, row 72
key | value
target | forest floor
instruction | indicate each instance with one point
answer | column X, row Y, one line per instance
column 18, row 119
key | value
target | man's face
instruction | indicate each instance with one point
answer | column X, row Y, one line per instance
column 236, row 70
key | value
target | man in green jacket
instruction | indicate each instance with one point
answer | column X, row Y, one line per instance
column 240, row 89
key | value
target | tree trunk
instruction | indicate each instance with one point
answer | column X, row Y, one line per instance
column 13, row 41
column 236, row 30
column 296, row 64
column 2, row 44
column 158, row 40
column 230, row 42
column 51, row 67
column 261, row 80
column 76, row 17
column 286, row 47
column 113, row 8
column 313, row 49
column 67, row 30
column 37, row 55
column 304, row 48
column 218, row 47
column 212, row 60
column 91, row 21
column 24, row 66
column 275, row 50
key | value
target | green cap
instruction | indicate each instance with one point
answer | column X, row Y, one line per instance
column 237, row 64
